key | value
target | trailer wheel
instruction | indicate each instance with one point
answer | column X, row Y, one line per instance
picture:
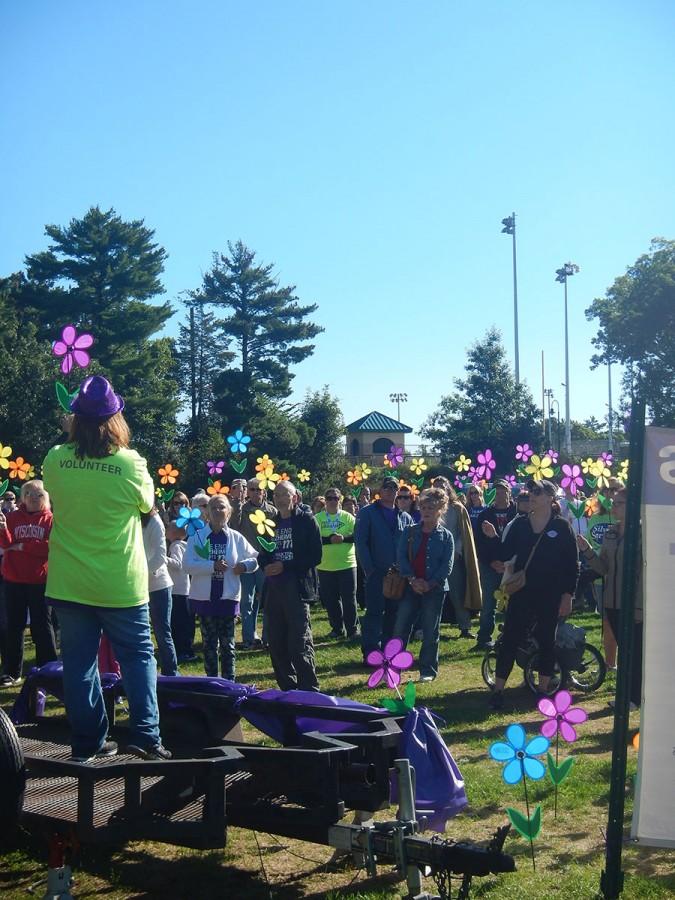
column 12, row 778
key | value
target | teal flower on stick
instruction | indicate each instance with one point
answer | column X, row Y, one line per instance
column 520, row 757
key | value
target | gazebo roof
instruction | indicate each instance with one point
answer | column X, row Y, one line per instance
column 377, row 421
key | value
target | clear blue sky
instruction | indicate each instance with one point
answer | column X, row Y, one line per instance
column 368, row 149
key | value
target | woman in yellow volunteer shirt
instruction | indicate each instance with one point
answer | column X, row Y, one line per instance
column 98, row 576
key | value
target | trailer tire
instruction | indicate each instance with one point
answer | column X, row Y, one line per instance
column 12, row 778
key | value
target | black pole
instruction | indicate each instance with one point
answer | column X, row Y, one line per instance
column 611, row 881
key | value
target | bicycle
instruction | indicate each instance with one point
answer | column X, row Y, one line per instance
column 578, row 664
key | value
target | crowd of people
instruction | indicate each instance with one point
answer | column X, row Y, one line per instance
column 394, row 566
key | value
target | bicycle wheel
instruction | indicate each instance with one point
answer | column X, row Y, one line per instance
column 590, row 674
column 488, row 668
column 531, row 673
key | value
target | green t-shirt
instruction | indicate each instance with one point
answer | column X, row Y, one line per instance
column 96, row 554
column 337, row 556
column 597, row 527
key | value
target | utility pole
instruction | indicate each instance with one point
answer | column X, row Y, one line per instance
column 562, row 275
column 509, row 224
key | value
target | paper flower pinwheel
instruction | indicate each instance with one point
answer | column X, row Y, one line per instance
column 73, row 349
column 168, row 474
column 239, row 441
column 19, row 469
column 394, row 456
column 593, row 507
column 571, row 479
column 607, row 457
column 510, row 480
column 304, row 475
column 417, row 465
column 190, row 520
column 462, row 464
column 459, row 483
column 601, row 472
column 217, row 488
column 268, row 479
column 539, row 467
column 561, row 716
column 473, row 474
column 215, row 467
column 587, row 465
column 264, row 462
column 5, row 453
column 414, row 490
column 623, row 470
column 523, row 452
column 486, row 464
column 262, row 524
column 389, row 663
column 354, row 476
column 519, row 756
column 284, row 476
column 364, row 468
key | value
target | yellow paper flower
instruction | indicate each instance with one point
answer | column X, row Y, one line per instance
column 5, row 453
column 18, row 468
column 417, row 465
column 158, row 492
column 264, row 462
column 623, row 470
column 268, row 479
column 262, row 524
column 168, row 474
column 386, row 462
column 539, row 467
column 601, row 471
column 354, row 477
column 304, row 475
column 462, row 464
column 587, row 465
column 217, row 488
column 31, row 472
column 365, row 470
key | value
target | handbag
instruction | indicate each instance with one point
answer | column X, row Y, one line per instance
column 393, row 583
column 512, row 582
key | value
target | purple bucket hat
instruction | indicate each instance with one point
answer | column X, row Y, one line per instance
column 96, row 399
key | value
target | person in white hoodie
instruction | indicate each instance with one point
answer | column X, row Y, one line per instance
column 182, row 618
column 216, row 558
column 159, row 589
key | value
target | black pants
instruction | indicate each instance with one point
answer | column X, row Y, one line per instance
column 338, row 595
column 23, row 598
column 613, row 616
column 521, row 614
column 289, row 635
column 182, row 625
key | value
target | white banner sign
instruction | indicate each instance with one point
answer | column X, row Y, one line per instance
column 654, row 813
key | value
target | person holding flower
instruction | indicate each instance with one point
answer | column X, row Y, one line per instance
column 216, row 557
column 425, row 556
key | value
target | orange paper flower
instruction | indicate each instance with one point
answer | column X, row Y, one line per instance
column 354, row 477
column 217, row 488
column 264, row 462
column 19, row 468
column 168, row 474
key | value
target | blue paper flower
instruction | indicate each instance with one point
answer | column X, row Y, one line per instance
column 238, row 441
column 518, row 756
column 190, row 519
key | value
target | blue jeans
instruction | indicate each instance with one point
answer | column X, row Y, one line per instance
column 377, row 623
column 251, row 586
column 160, row 616
column 128, row 629
column 489, row 582
column 429, row 607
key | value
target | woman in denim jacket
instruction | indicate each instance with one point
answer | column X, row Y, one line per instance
column 425, row 555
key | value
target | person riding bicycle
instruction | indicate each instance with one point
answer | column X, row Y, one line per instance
column 544, row 547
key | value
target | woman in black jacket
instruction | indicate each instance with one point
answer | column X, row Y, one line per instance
column 544, row 545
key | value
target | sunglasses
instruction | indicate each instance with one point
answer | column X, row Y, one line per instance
column 405, row 496
column 332, row 497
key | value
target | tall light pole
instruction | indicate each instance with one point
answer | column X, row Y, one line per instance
column 398, row 399
column 610, row 430
column 561, row 275
column 549, row 394
column 557, row 405
column 509, row 224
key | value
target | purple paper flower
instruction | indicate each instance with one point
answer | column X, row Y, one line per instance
column 553, row 454
column 215, row 468
column 458, row 482
column 572, row 478
column 395, row 456
column 474, row 475
column 561, row 716
column 486, row 465
column 510, row 480
column 389, row 663
column 519, row 756
column 523, row 452
column 72, row 348
column 607, row 457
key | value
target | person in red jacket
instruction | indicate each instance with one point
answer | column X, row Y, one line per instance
column 24, row 536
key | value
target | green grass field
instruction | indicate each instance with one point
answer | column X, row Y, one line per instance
column 569, row 851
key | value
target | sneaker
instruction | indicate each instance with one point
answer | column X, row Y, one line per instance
column 151, row 753
column 352, row 635
column 426, row 678
column 467, row 634
column 187, row 658
column 418, row 635
column 8, row 681
column 496, row 700
column 108, row 749
column 483, row 648
column 335, row 635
